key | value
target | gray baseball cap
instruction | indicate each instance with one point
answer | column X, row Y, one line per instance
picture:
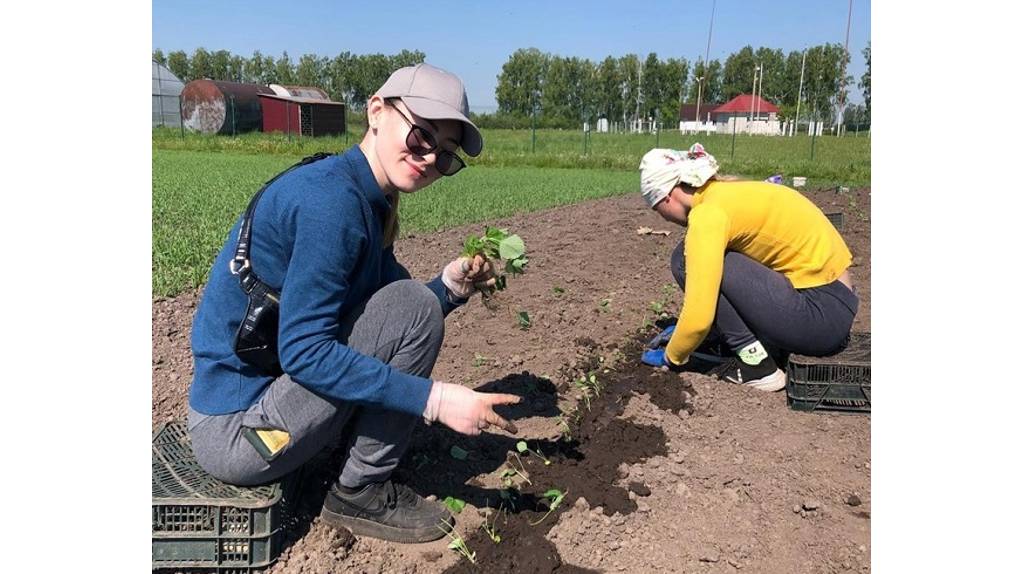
column 434, row 94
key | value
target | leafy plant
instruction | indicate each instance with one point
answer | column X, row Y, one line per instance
column 522, row 447
column 557, row 290
column 524, row 320
column 479, row 360
column 603, row 305
column 589, row 387
column 512, row 472
column 492, row 528
column 457, row 543
column 496, row 244
column 454, row 504
column 552, row 498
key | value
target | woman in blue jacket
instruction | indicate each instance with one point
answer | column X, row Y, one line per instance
column 356, row 337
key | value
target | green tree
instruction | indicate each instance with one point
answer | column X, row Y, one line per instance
column 630, row 72
column 236, row 70
column 220, row 61
column 159, row 58
column 713, row 93
column 609, row 89
column 312, row 71
column 284, row 71
column 673, row 76
column 521, row 82
column 865, row 81
column 256, row 70
column 340, row 73
column 738, row 76
column 177, row 63
column 200, row 65
column 407, row 58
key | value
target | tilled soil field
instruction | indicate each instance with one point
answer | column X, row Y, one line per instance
column 660, row 472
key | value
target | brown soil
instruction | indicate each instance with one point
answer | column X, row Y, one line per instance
column 662, row 472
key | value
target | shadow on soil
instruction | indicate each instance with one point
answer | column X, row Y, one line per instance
column 584, row 461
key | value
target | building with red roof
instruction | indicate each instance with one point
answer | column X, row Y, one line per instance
column 745, row 106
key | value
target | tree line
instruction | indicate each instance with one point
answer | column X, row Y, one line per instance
column 349, row 78
column 554, row 91
column 575, row 90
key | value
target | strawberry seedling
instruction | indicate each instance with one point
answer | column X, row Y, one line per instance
column 522, row 447
column 496, row 244
column 454, row 504
column 524, row 320
column 457, row 543
column 552, row 499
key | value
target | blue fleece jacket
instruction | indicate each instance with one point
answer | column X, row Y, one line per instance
column 317, row 239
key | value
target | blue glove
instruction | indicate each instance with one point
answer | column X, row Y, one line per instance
column 661, row 339
column 657, row 358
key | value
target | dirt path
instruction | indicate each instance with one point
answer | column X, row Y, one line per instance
column 716, row 480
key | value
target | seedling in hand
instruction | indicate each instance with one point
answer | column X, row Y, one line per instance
column 552, row 498
column 496, row 244
column 521, row 446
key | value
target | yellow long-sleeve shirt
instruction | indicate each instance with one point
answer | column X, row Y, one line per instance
column 769, row 223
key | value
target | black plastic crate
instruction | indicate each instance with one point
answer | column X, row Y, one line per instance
column 201, row 523
column 840, row 382
column 836, row 218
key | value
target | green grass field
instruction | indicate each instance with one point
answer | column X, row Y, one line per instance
column 845, row 161
column 202, row 183
column 197, row 196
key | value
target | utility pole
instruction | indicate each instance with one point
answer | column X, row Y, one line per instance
column 800, row 92
column 842, row 78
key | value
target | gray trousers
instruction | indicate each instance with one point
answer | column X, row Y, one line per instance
column 756, row 303
column 402, row 325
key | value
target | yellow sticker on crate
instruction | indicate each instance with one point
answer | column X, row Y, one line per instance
column 274, row 439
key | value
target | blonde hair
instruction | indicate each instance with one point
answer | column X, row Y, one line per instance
column 391, row 223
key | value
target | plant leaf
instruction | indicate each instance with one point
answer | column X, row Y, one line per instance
column 454, row 504
column 511, row 247
column 458, row 453
column 521, row 446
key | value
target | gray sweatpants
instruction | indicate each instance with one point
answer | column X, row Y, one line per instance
column 756, row 303
column 402, row 325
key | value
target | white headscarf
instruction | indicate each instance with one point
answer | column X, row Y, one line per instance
column 663, row 169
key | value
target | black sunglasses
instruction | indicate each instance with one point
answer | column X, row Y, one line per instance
column 421, row 142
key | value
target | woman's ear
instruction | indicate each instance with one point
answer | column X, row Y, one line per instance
column 374, row 111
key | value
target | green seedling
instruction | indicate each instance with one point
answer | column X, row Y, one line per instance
column 479, row 360
column 657, row 307
column 522, row 447
column 603, row 305
column 496, row 244
column 512, row 472
column 552, row 498
column 454, row 504
column 558, row 290
column 458, row 453
column 589, row 386
column 566, row 429
column 457, row 543
column 524, row 320
column 492, row 528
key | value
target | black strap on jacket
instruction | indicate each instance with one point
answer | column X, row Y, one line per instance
column 241, row 264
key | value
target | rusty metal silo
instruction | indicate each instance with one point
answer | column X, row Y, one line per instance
column 211, row 106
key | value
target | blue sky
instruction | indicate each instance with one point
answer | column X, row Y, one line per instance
column 474, row 39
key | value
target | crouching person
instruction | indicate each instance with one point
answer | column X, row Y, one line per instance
column 762, row 269
column 352, row 339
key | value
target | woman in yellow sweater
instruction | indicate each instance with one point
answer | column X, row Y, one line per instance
column 761, row 268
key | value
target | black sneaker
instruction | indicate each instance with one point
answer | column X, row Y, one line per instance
column 712, row 351
column 388, row 511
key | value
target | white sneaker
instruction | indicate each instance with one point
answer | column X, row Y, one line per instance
column 770, row 383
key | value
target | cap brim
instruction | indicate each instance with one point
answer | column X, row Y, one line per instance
column 472, row 142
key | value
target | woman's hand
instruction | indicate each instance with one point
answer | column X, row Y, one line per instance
column 467, row 411
column 465, row 276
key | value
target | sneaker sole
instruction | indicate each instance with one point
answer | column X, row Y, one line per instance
column 364, row 527
column 771, row 386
